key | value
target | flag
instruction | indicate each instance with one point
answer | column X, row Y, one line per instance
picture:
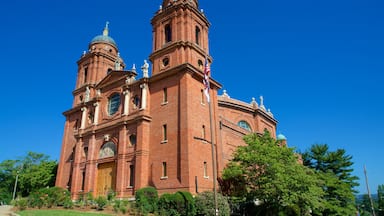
column 207, row 70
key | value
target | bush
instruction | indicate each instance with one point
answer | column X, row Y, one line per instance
column 205, row 204
column 146, row 200
column 21, row 203
column 101, row 202
column 49, row 197
column 180, row 203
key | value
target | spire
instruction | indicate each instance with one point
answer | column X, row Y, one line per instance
column 106, row 30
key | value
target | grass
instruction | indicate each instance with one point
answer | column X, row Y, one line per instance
column 58, row 212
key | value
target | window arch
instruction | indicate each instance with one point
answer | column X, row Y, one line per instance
column 132, row 139
column 243, row 124
column 113, row 104
column 107, row 150
column 197, row 35
column 168, row 33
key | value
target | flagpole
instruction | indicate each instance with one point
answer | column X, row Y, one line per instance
column 213, row 160
column 369, row 193
column 214, row 166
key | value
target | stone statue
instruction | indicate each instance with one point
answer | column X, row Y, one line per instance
column 117, row 62
column 87, row 94
column 262, row 103
column 145, row 68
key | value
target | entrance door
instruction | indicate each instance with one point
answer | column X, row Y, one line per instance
column 106, row 178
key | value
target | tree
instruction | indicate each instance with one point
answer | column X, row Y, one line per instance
column 380, row 200
column 7, row 180
column 334, row 170
column 34, row 171
column 273, row 177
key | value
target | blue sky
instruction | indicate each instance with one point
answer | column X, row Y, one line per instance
column 318, row 64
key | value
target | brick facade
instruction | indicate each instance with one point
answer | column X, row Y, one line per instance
column 125, row 131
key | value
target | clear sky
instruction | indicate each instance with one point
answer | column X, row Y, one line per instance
column 318, row 64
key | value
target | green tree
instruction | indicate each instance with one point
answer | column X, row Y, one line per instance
column 7, row 180
column 335, row 172
column 34, row 171
column 274, row 177
column 380, row 200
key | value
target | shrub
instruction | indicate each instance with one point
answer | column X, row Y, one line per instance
column 48, row 197
column 146, row 200
column 21, row 203
column 205, row 204
column 180, row 203
column 101, row 202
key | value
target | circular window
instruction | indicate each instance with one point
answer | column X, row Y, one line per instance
column 165, row 61
column 113, row 104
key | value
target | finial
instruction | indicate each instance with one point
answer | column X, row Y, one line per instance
column 161, row 7
column 225, row 94
column 134, row 67
column 106, row 29
column 270, row 113
column 262, row 103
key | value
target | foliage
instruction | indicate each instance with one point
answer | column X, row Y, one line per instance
column 21, row 203
column 335, row 172
column 146, row 200
column 271, row 176
column 34, row 171
column 101, row 202
column 364, row 205
column 49, row 197
column 205, row 204
column 380, row 201
column 57, row 212
column 7, row 180
column 120, row 206
column 179, row 203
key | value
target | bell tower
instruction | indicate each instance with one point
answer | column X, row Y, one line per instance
column 180, row 36
column 102, row 58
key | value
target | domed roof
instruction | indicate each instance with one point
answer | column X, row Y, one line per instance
column 104, row 38
column 281, row 137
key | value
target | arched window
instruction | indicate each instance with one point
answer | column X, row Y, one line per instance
column 132, row 139
column 244, row 125
column 113, row 104
column 136, row 101
column 107, row 150
column 197, row 35
column 168, row 33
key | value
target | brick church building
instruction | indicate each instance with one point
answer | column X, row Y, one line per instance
column 129, row 128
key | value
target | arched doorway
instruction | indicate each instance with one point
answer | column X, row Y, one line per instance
column 106, row 170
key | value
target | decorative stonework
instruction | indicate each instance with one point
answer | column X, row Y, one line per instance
column 108, row 150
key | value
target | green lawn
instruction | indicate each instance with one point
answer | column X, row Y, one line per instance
column 57, row 212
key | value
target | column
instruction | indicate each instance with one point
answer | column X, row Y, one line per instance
column 143, row 95
column 83, row 117
column 121, row 172
column 142, row 170
column 97, row 110
column 127, row 95
column 90, row 175
column 76, row 173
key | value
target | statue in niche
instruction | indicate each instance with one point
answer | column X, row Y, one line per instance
column 87, row 94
